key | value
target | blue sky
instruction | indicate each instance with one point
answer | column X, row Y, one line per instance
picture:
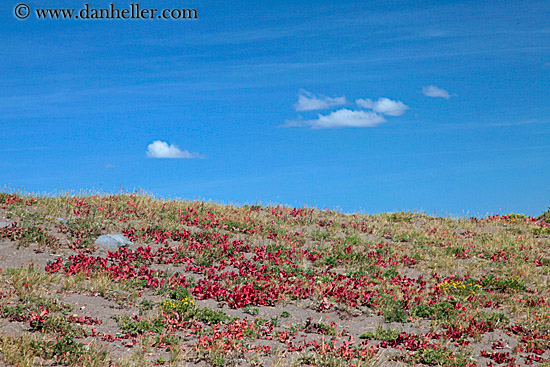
column 370, row 106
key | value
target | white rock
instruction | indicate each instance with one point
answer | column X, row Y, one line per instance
column 113, row 240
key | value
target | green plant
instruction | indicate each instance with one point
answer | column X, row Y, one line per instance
column 63, row 350
column 211, row 317
column 181, row 307
column 460, row 287
column 516, row 216
column 38, row 235
column 436, row 355
column 274, row 321
column 390, row 273
column 387, row 335
column 545, row 216
column 353, row 239
column 437, row 311
column 251, row 310
column 320, row 235
column 326, row 329
column 395, row 311
column 400, row 217
column 59, row 325
column 496, row 318
column 541, row 230
column 17, row 312
column 166, row 339
column 137, row 327
column 503, row 284
column 179, row 293
column 433, row 356
column 331, row 260
column 146, row 305
column 160, row 361
column 49, row 303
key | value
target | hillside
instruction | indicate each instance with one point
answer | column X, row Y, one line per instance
column 203, row 284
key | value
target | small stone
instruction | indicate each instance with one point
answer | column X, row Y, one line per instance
column 113, row 240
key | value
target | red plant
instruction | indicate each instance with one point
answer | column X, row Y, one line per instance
column 37, row 319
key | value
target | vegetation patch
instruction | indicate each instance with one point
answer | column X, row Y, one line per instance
column 203, row 283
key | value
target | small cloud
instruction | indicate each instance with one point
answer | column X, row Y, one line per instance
column 341, row 118
column 308, row 101
column 384, row 106
column 109, row 165
column 161, row 149
column 433, row 91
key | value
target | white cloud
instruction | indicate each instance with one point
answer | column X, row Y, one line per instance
column 433, row 91
column 341, row 118
column 161, row 149
column 384, row 105
column 308, row 101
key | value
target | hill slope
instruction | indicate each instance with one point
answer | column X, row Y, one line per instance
column 206, row 284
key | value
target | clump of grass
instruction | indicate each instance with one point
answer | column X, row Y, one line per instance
column 18, row 351
column 388, row 335
column 102, row 284
column 29, row 281
column 16, row 313
column 27, row 351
